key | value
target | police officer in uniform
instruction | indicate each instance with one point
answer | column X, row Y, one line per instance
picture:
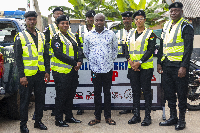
column 33, row 67
column 173, row 63
column 140, row 64
column 52, row 29
column 82, row 31
column 65, row 64
column 123, row 36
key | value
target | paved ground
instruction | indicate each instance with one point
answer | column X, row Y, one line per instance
column 192, row 119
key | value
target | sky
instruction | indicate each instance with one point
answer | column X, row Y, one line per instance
column 13, row 5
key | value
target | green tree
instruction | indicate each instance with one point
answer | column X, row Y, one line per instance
column 113, row 9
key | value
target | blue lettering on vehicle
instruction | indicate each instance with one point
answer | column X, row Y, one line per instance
column 117, row 66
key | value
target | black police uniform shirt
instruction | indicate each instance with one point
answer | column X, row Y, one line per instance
column 19, row 51
column 187, row 36
column 150, row 47
column 57, row 47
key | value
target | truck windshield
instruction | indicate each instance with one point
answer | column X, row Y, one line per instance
column 7, row 32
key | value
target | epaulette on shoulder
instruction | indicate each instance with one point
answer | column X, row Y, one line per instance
column 186, row 23
column 56, row 35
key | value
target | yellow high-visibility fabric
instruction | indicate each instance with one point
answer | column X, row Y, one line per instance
column 138, row 47
column 173, row 44
column 58, row 65
column 32, row 57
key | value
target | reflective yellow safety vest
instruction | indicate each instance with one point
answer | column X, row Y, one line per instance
column 56, row 64
column 123, row 38
column 173, row 44
column 138, row 47
column 82, row 32
column 32, row 56
column 54, row 30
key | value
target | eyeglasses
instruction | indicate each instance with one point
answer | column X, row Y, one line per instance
column 136, row 19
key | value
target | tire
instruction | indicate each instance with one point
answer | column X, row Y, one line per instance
column 193, row 107
column 13, row 106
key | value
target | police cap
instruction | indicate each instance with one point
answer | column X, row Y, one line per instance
column 62, row 18
column 176, row 5
column 138, row 13
column 90, row 13
column 30, row 14
column 127, row 14
column 58, row 9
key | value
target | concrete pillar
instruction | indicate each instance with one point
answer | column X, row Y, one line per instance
column 39, row 22
column 49, row 19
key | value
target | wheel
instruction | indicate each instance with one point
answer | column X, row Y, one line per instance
column 193, row 107
column 193, row 102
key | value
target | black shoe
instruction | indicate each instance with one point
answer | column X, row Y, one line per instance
column 72, row 120
column 61, row 124
column 24, row 129
column 146, row 121
column 169, row 122
column 80, row 112
column 134, row 120
column 180, row 125
column 125, row 111
column 40, row 125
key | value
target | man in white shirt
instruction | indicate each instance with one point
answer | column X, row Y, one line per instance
column 100, row 48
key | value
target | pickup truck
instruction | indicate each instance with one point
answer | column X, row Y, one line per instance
column 9, row 81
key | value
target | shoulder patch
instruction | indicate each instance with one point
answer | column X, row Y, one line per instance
column 57, row 44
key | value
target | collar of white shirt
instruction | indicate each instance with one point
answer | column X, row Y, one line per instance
column 94, row 31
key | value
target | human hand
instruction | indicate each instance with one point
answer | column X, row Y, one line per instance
column 78, row 66
column 23, row 81
column 181, row 72
column 135, row 66
column 159, row 69
column 47, row 78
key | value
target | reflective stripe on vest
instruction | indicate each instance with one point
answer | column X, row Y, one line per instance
column 32, row 57
column 138, row 47
column 58, row 65
column 173, row 45
column 53, row 30
column 72, row 35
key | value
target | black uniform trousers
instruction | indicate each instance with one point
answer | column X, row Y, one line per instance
column 141, row 79
column 65, row 85
column 172, row 84
column 99, row 80
column 37, row 82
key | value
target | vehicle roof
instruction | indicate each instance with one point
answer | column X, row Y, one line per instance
column 18, row 22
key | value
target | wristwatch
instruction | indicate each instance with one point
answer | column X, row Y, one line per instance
column 140, row 62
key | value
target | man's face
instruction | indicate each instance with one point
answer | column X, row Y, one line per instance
column 90, row 20
column 56, row 14
column 99, row 22
column 31, row 22
column 127, row 21
column 63, row 26
column 139, row 21
column 176, row 13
